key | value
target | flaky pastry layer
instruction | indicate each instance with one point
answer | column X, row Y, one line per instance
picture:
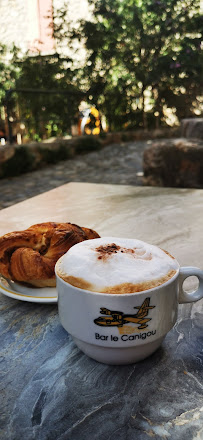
column 30, row 256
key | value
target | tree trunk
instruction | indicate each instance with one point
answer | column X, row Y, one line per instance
column 158, row 108
column 144, row 117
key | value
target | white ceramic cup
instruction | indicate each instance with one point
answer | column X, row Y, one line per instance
column 123, row 328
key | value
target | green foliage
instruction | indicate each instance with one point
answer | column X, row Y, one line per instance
column 51, row 156
column 49, row 111
column 142, row 56
column 21, row 162
column 103, row 135
column 135, row 46
column 47, row 95
column 8, row 73
column 87, row 144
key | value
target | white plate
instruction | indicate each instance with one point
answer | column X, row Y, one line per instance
column 43, row 295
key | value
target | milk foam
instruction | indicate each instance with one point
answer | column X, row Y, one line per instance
column 110, row 261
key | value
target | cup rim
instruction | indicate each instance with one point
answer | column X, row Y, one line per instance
column 120, row 295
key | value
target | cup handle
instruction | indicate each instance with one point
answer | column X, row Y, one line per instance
column 185, row 297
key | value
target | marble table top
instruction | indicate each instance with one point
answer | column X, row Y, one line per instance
column 52, row 391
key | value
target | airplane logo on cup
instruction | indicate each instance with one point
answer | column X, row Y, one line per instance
column 118, row 319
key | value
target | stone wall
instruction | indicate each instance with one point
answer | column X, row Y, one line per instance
column 18, row 159
column 174, row 163
column 192, row 128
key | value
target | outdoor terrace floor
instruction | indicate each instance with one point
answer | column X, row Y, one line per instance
column 113, row 164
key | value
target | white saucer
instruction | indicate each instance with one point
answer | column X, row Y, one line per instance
column 43, row 295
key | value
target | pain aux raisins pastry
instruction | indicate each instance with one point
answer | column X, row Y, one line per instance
column 30, row 256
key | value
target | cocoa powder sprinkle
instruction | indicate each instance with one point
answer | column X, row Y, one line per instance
column 107, row 250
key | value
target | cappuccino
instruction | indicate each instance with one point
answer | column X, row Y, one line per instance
column 116, row 266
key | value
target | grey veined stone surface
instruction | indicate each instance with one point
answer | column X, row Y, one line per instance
column 51, row 390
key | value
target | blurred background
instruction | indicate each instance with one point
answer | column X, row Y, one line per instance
column 69, row 68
